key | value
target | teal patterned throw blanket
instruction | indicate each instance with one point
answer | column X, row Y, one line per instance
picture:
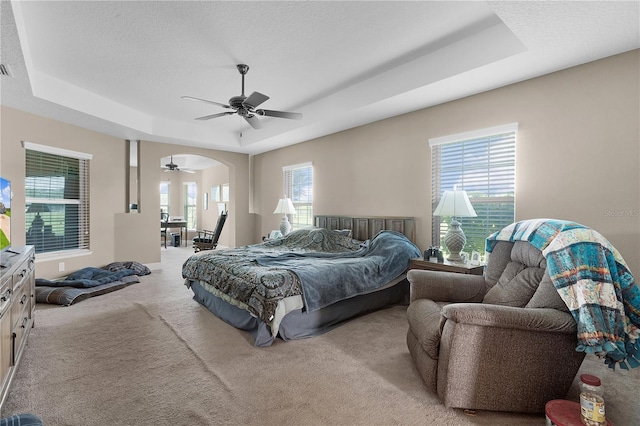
column 593, row 280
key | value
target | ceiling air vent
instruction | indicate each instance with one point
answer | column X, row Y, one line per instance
column 4, row 70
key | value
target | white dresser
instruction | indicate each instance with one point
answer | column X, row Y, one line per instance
column 17, row 308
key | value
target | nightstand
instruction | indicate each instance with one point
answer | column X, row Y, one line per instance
column 459, row 268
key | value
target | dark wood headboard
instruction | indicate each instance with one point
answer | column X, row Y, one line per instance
column 364, row 228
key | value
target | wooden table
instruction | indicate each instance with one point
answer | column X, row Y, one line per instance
column 446, row 266
column 175, row 224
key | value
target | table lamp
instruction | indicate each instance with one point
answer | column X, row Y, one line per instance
column 455, row 204
column 285, row 207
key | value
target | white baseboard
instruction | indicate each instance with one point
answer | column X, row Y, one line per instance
column 154, row 267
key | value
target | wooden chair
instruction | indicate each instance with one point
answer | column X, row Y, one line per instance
column 164, row 218
column 208, row 240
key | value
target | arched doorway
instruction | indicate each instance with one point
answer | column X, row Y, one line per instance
column 195, row 188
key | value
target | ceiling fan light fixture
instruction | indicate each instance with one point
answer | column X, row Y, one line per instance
column 173, row 167
column 245, row 106
column 243, row 68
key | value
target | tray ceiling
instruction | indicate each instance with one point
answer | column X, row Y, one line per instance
column 121, row 67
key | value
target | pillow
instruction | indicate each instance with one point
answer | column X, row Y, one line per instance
column 523, row 252
column 345, row 232
column 516, row 285
column 546, row 296
column 139, row 268
column 497, row 261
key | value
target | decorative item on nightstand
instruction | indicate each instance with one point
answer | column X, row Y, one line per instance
column 285, row 207
column 455, row 204
column 433, row 254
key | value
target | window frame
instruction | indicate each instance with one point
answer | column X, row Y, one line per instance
column 57, row 241
column 190, row 208
column 475, row 174
column 166, row 206
column 225, row 193
column 300, row 219
column 215, row 193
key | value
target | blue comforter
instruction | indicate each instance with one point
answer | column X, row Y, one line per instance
column 329, row 277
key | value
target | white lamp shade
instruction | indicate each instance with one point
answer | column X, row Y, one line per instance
column 285, row 206
column 455, row 203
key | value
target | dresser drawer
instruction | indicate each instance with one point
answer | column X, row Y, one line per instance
column 6, row 292
column 19, row 337
column 6, row 344
column 23, row 273
column 21, row 305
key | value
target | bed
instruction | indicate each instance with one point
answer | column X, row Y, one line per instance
column 308, row 282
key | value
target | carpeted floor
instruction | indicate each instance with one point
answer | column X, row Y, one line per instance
column 149, row 355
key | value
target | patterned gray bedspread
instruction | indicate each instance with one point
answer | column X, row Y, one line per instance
column 259, row 276
column 236, row 274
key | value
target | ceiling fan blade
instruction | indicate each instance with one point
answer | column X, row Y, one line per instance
column 187, row 170
column 255, row 99
column 191, row 98
column 279, row 114
column 253, row 120
column 220, row 114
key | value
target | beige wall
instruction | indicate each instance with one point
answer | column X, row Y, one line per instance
column 239, row 226
column 578, row 158
column 115, row 234
column 107, row 181
column 578, row 151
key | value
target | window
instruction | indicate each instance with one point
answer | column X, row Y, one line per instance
column 225, row 192
column 57, row 198
column 215, row 193
column 483, row 164
column 298, row 185
column 164, row 196
column 190, row 204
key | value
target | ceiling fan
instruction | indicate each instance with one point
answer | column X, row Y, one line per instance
column 173, row 167
column 245, row 107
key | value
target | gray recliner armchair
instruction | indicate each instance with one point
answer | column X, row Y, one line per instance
column 504, row 341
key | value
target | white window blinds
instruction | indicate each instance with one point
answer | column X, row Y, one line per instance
column 57, row 198
column 164, row 197
column 483, row 164
column 298, row 185
column 191, row 204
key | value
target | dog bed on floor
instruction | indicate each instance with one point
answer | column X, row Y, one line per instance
column 66, row 296
column 89, row 282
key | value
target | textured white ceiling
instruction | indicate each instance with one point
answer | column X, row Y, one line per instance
column 120, row 67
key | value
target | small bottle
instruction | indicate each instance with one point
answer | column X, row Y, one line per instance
column 591, row 401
